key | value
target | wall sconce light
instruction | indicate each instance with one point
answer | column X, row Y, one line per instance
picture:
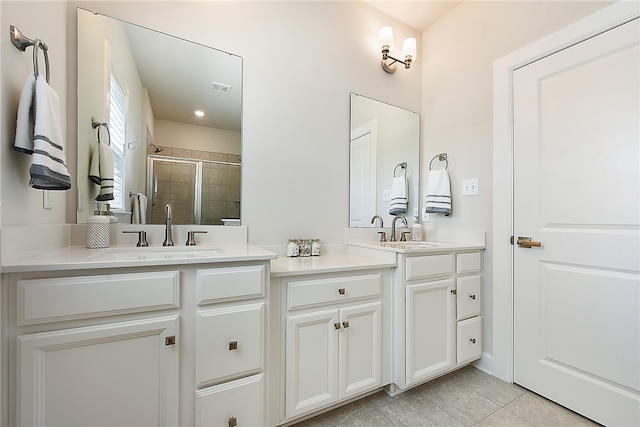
column 409, row 51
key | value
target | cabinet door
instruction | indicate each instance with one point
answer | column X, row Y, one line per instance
column 238, row 402
column 311, row 361
column 229, row 342
column 360, row 349
column 118, row 374
column 430, row 344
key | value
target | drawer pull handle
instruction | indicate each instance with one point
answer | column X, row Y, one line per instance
column 336, row 325
column 472, row 296
column 341, row 291
column 345, row 324
column 473, row 340
column 233, row 422
column 171, row 340
column 233, row 345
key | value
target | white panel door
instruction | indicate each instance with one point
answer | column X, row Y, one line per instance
column 360, row 349
column 362, row 179
column 118, row 374
column 577, row 191
column 311, row 361
column 430, row 332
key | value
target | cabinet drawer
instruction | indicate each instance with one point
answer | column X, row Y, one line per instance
column 469, row 263
column 239, row 402
column 83, row 297
column 469, row 296
column 232, row 283
column 314, row 292
column 469, row 334
column 424, row 267
column 229, row 342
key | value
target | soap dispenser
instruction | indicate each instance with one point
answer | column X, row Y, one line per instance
column 98, row 229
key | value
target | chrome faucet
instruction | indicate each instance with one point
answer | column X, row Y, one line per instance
column 168, row 238
column 373, row 220
column 393, row 226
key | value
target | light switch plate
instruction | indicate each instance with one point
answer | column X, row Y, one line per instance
column 470, row 187
column 47, row 201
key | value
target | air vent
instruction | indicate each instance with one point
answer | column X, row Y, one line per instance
column 220, row 87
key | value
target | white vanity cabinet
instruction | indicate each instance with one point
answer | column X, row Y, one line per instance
column 77, row 360
column 331, row 328
column 437, row 314
column 333, row 339
column 162, row 345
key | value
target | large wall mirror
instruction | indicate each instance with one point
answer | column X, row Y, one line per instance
column 384, row 149
column 146, row 86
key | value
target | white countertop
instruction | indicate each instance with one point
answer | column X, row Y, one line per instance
column 329, row 263
column 81, row 258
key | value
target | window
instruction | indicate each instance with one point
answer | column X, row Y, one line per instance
column 117, row 127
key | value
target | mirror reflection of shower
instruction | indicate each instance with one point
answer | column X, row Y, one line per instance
column 156, row 149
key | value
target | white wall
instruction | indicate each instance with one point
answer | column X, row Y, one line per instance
column 45, row 20
column 301, row 61
column 458, row 54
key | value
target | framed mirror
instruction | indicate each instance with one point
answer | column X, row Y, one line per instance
column 138, row 92
column 384, row 156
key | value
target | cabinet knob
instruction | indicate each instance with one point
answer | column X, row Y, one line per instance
column 336, row 325
column 341, row 291
column 233, row 422
column 472, row 296
column 233, row 345
column 345, row 324
column 453, row 292
column 171, row 340
column 473, row 340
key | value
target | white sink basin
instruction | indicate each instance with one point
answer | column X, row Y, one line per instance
column 156, row 253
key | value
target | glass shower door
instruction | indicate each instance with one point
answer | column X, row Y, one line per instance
column 174, row 181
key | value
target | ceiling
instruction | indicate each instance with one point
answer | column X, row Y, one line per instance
column 418, row 14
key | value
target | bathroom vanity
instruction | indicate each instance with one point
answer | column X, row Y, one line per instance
column 137, row 336
column 230, row 334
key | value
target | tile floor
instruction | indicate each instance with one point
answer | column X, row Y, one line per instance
column 467, row 397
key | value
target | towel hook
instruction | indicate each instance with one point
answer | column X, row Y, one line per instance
column 402, row 166
column 441, row 157
column 96, row 125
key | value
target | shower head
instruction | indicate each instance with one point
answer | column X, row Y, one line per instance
column 156, row 149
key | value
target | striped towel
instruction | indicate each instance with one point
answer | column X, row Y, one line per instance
column 101, row 170
column 398, row 196
column 438, row 192
column 43, row 140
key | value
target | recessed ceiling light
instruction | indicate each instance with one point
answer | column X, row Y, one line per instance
column 199, row 113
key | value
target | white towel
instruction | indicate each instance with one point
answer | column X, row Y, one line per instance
column 101, row 170
column 25, row 120
column 438, row 192
column 139, row 209
column 398, row 196
column 48, row 163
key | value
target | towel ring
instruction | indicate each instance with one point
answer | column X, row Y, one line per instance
column 96, row 125
column 402, row 166
column 441, row 157
column 39, row 44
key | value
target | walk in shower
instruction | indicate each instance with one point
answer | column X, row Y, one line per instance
column 199, row 191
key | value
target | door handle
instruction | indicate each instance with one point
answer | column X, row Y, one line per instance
column 526, row 242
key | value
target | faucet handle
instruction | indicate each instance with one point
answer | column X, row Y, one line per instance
column 142, row 237
column 383, row 236
column 403, row 236
column 191, row 241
